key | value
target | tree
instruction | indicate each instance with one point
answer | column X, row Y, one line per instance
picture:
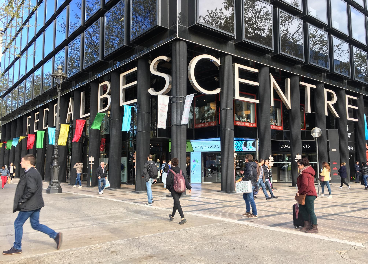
column 221, row 18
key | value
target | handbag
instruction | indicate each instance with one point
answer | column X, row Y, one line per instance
column 107, row 184
column 300, row 198
column 321, row 178
column 244, row 187
column 8, row 180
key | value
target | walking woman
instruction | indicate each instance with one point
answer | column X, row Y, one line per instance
column 343, row 174
column 306, row 187
column 325, row 178
column 175, row 170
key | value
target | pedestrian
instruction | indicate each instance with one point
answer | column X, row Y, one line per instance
column 164, row 170
column 250, row 174
column 158, row 165
column 325, row 177
column 4, row 176
column 358, row 172
column 268, row 177
column 150, row 174
column 11, row 171
column 102, row 177
column 365, row 174
column 261, row 178
column 172, row 176
column 343, row 174
column 305, row 182
column 28, row 201
column 79, row 168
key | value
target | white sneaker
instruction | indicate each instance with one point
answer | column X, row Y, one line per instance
column 349, row 186
column 102, row 192
column 74, row 186
column 340, row 187
column 330, row 196
column 80, row 186
column 322, row 194
column 99, row 192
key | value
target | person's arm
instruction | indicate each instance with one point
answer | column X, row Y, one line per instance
column 30, row 189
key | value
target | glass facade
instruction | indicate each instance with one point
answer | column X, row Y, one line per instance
column 114, row 28
column 318, row 47
column 143, row 17
column 318, row 9
column 92, row 44
column 341, row 56
column 360, row 65
column 358, row 25
column 75, row 15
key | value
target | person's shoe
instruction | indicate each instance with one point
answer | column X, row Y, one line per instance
column 80, row 186
column 306, row 226
column 366, row 188
column 149, row 204
column 349, row 187
column 58, row 239
column 102, row 192
column 12, row 251
column 273, row 196
column 268, row 198
column 313, row 230
column 171, row 218
column 330, row 196
column 246, row 214
column 255, row 197
column 168, row 195
column 340, row 187
column 183, row 221
column 253, row 216
column 74, row 186
column 99, row 192
column 322, row 194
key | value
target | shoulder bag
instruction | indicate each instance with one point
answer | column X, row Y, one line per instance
column 300, row 198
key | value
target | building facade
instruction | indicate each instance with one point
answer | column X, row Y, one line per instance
column 263, row 74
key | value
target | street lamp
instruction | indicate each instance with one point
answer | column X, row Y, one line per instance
column 54, row 187
column 316, row 133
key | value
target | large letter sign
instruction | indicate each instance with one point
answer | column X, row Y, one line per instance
column 101, row 96
column 350, row 106
column 167, row 77
column 329, row 104
column 69, row 114
column 44, row 118
column 307, row 96
column 275, row 86
column 239, row 80
column 124, row 85
column 36, row 122
column 83, row 107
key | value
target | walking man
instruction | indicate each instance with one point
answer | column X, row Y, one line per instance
column 102, row 176
column 11, row 171
column 261, row 178
column 79, row 167
column 150, row 173
column 365, row 174
column 28, row 201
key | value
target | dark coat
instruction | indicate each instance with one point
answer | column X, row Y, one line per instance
column 250, row 172
column 170, row 179
column 101, row 173
column 145, row 174
column 28, row 195
column 267, row 172
column 305, row 182
column 343, row 173
column 365, row 170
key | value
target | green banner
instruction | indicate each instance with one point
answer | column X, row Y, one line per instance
column 39, row 139
column 9, row 144
column 98, row 120
column 189, row 147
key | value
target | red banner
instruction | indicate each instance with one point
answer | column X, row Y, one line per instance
column 103, row 143
column 79, row 125
column 31, row 141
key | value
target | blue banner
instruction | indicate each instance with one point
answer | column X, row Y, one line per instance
column 51, row 132
column 365, row 127
column 127, row 118
column 15, row 141
column 196, row 167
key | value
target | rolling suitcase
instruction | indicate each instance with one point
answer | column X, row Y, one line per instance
column 298, row 220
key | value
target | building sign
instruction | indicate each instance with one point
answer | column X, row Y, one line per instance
column 195, row 167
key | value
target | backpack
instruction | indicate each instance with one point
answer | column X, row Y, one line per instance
column 179, row 182
column 152, row 170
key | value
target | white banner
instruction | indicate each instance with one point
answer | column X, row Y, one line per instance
column 163, row 106
column 188, row 103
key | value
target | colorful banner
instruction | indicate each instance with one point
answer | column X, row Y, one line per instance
column 30, row 141
column 103, row 144
column 21, row 138
column 163, row 106
column 15, row 142
column 63, row 137
column 366, row 128
column 98, row 120
column 9, row 144
column 127, row 118
column 1, row 145
column 39, row 140
column 51, row 133
column 79, row 125
column 188, row 103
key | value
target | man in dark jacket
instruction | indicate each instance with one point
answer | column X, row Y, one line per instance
column 102, row 176
column 28, row 201
column 365, row 174
column 250, row 174
column 358, row 173
column 150, row 176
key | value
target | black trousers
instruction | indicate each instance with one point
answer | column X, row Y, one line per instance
column 176, row 196
column 343, row 181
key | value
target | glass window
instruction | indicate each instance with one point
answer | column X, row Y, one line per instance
column 318, row 9
column 24, row 37
column 17, row 44
column 40, row 16
column 360, row 2
column 59, row 3
column 302, row 117
column 30, row 57
column 16, row 71
column 31, row 28
column 8, row 103
column 360, row 65
column 92, row 6
column 258, row 17
column 245, row 112
column 91, row 44
column 38, row 49
column 205, row 113
column 318, row 47
column 291, row 35
column 339, row 16
column 22, row 66
column 74, row 56
column 50, row 8
column 294, row 3
column 21, row 94
column 60, row 59
column 143, row 17
column 60, row 28
column 14, row 99
column 37, row 87
column 341, row 56
column 49, row 39
column 114, row 28
column 276, row 115
column 47, row 79
column 28, row 90
column 11, row 76
column 358, row 25
column 75, row 16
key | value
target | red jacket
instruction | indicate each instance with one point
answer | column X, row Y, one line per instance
column 305, row 182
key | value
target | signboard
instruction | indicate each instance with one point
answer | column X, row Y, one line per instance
column 196, row 167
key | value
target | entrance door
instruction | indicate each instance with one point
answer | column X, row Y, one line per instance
column 211, row 167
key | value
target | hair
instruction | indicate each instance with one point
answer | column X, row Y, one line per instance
column 163, row 161
column 261, row 160
column 31, row 158
column 175, row 162
column 249, row 157
column 3, row 166
column 303, row 161
column 325, row 165
column 150, row 156
column 343, row 164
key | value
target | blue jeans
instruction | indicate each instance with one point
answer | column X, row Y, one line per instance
column 34, row 219
column 249, row 201
column 260, row 182
column 323, row 183
column 101, row 184
column 149, row 191
column 365, row 180
column 268, row 184
column 78, row 179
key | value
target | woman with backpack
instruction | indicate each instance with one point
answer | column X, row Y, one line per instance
column 176, row 183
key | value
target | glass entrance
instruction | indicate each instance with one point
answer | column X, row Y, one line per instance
column 211, row 167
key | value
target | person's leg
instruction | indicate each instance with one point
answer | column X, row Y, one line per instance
column 267, row 183
column 175, row 206
column 78, row 180
column 345, row 182
column 264, row 188
column 247, row 203
column 309, row 206
column 342, row 182
column 2, row 181
column 18, row 228
column 365, row 180
column 99, row 185
column 323, row 186
column 328, row 187
column 164, row 175
column 180, row 210
column 253, row 204
column 35, row 223
column 149, row 191
column 103, row 181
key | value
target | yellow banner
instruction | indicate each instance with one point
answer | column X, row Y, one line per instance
column 20, row 138
column 63, row 137
column 1, row 145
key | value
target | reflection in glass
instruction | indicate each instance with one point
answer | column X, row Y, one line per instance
column 40, row 17
column 14, row 100
column 276, row 115
column 341, row 56
column 360, row 65
column 114, row 28
column 59, row 3
column 245, row 112
column 17, row 45
column 205, row 111
column 339, row 16
column 22, row 66
column 74, row 56
column 358, row 25
column 49, row 39
column 258, row 17
column 24, row 37
column 31, row 28
column 318, row 9
column 47, row 79
column 217, row 14
column 291, row 35
column 37, row 82
column 75, row 15
column 38, row 49
column 29, row 86
column 50, row 8
column 143, row 17
column 16, row 70
column 8, row 103
column 92, row 6
column 318, row 47
column 91, row 44
column 30, row 57
column 11, row 76
column 60, row 28
column 360, row 2
column 295, row 3
column 21, row 94
column 60, row 59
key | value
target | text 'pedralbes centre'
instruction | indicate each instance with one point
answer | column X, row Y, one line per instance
column 206, row 81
